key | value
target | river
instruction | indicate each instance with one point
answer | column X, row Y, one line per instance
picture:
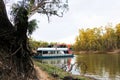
column 98, row 66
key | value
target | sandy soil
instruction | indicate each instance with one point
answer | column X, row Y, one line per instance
column 42, row 75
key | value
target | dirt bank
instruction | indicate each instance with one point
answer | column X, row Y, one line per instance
column 42, row 75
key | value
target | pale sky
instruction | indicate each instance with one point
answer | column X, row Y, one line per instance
column 81, row 14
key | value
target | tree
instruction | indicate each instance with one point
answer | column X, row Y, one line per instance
column 118, row 34
column 109, row 38
column 32, row 26
column 36, row 44
column 15, row 53
column 102, row 39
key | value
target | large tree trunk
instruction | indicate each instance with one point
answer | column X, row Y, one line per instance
column 15, row 59
column 5, row 25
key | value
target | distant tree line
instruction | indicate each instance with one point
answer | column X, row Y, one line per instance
column 34, row 44
column 98, row 39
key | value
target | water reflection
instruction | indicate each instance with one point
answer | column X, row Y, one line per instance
column 67, row 64
column 101, row 66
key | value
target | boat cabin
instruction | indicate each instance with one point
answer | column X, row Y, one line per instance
column 42, row 51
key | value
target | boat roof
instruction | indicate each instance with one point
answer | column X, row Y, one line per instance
column 52, row 49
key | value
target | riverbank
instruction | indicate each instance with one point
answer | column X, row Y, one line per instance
column 50, row 72
column 42, row 75
column 116, row 51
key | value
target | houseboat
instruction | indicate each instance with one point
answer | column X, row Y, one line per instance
column 53, row 52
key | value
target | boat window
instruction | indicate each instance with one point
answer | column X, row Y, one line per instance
column 65, row 52
column 39, row 51
column 58, row 52
column 45, row 52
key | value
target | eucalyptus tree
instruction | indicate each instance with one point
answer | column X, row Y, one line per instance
column 35, row 44
column 118, row 35
column 109, row 38
column 15, row 53
column 100, row 38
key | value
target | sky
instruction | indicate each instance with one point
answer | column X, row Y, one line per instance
column 81, row 14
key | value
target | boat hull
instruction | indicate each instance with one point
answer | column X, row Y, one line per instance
column 53, row 56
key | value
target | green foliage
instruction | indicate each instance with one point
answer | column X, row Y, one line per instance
column 98, row 39
column 32, row 26
column 35, row 44
column 18, row 12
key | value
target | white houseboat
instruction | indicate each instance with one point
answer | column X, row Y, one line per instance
column 53, row 52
